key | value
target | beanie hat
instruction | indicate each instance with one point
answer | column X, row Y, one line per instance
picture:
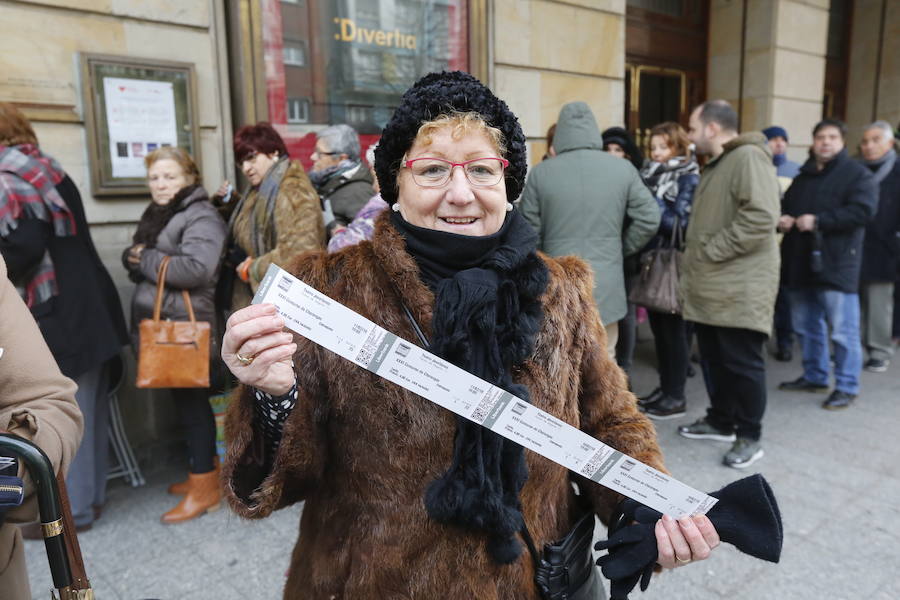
column 618, row 135
column 775, row 131
column 437, row 94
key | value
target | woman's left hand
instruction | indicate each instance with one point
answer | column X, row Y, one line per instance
column 684, row 541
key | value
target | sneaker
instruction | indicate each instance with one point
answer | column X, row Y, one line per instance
column 702, row 430
column 743, row 453
column 666, row 407
column 801, row 384
column 838, row 400
column 877, row 365
column 650, row 398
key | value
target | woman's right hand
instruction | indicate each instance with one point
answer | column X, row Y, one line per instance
column 256, row 333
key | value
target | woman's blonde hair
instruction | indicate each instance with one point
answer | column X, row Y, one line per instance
column 460, row 124
column 180, row 156
column 15, row 129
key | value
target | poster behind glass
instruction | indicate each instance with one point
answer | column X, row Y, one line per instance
column 349, row 61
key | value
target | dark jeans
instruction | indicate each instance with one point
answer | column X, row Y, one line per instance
column 200, row 426
column 784, row 330
column 672, row 353
column 736, row 378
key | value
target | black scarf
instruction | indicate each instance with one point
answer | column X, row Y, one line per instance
column 157, row 216
column 487, row 314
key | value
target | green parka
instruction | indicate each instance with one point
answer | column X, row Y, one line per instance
column 579, row 200
column 729, row 275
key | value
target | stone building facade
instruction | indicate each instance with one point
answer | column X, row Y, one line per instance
column 303, row 64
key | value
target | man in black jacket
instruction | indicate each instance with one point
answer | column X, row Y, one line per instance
column 824, row 215
column 881, row 249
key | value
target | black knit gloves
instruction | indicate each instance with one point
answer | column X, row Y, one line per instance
column 746, row 516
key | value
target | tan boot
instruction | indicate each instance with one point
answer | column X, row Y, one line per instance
column 181, row 488
column 204, row 495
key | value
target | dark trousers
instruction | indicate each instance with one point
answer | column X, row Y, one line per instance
column 784, row 330
column 736, row 378
column 199, row 425
column 672, row 352
column 627, row 339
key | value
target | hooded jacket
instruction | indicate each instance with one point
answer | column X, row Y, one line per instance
column 729, row 275
column 580, row 200
column 843, row 196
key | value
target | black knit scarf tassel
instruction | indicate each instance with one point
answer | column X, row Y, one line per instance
column 486, row 321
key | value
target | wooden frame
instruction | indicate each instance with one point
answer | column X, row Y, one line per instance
column 95, row 68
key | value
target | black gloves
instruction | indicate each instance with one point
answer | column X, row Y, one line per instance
column 632, row 557
column 746, row 516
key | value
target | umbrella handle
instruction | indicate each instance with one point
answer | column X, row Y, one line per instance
column 50, row 507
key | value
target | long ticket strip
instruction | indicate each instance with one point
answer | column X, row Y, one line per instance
column 332, row 325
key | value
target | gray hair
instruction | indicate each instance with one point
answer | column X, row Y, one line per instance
column 341, row 139
column 885, row 128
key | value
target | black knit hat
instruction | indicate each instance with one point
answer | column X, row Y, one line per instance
column 436, row 94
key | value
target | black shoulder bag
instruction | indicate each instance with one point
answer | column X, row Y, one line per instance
column 565, row 569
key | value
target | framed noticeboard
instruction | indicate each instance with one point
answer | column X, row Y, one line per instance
column 132, row 107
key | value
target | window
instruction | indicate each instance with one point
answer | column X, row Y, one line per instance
column 294, row 54
column 298, row 110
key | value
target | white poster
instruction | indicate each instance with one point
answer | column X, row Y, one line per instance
column 141, row 118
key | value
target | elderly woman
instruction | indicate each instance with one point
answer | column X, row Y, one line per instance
column 343, row 182
column 279, row 218
column 181, row 223
column 402, row 500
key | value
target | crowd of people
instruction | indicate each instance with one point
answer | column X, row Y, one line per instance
column 480, row 257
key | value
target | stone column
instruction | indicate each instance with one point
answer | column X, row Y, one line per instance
column 870, row 74
column 783, row 63
column 547, row 53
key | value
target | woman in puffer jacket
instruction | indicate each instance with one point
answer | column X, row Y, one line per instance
column 181, row 223
column 672, row 174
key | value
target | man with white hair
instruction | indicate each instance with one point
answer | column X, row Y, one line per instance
column 881, row 250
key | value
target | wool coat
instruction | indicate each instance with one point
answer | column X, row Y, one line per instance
column 843, row 196
column 881, row 247
column 83, row 325
column 37, row 403
column 360, row 451
column 729, row 272
column 590, row 204
column 193, row 238
column 295, row 227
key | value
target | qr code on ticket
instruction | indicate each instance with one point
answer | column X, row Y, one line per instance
column 367, row 351
column 592, row 465
column 483, row 409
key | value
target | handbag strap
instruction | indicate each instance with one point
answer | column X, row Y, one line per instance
column 526, row 535
column 161, row 286
column 676, row 240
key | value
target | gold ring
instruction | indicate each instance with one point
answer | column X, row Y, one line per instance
column 682, row 561
column 244, row 360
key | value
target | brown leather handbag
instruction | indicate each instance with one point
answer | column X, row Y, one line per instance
column 173, row 354
column 656, row 288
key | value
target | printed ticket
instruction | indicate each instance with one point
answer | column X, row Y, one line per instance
column 339, row 329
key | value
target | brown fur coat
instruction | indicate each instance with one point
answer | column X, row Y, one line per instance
column 360, row 450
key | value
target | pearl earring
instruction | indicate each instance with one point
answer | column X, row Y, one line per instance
column 509, row 207
column 395, row 207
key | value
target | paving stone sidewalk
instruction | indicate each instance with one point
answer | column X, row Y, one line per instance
column 835, row 474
